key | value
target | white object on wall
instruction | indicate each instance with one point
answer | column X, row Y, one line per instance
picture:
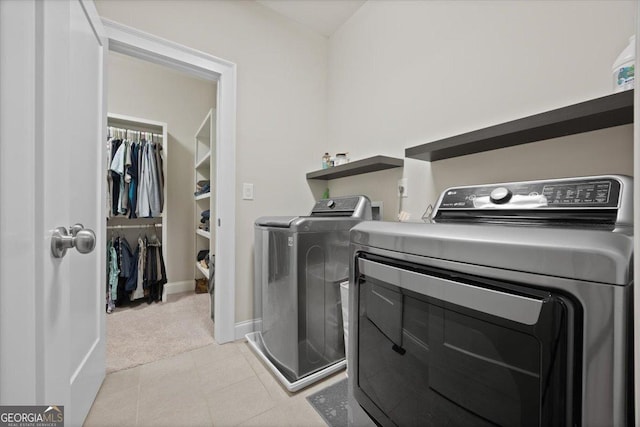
column 247, row 191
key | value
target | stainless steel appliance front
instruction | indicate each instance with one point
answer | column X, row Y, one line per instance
column 299, row 265
column 505, row 318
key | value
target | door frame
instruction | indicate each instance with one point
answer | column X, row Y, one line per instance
column 138, row 44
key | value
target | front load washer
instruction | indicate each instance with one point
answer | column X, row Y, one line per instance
column 299, row 265
column 512, row 308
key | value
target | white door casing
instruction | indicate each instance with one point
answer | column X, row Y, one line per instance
column 52, row 121
column 141, row 45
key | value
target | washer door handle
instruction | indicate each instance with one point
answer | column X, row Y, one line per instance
column 83, row 239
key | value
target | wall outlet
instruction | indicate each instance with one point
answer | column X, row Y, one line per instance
column 247, row 191
column 402, row 188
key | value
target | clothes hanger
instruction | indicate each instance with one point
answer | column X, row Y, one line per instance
column 153, row 238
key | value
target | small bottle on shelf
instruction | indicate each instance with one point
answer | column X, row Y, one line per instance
column 624, row 67
column 326, row 160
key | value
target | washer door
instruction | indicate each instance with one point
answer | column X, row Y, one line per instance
column 436, row 351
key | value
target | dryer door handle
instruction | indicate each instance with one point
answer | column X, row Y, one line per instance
column 518, row 308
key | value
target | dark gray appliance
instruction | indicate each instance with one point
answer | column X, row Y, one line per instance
column 299, row 265
column 512, row 308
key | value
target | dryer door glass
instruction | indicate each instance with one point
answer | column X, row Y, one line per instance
column 432, row 351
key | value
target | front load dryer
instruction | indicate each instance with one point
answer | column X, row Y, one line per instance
column 513, row 307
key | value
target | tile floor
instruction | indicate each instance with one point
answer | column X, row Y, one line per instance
column 216, row 385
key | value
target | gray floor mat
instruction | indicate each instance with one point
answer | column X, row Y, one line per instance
column 331, row 403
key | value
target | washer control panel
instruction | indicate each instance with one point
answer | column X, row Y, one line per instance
column 338, row 205
column 563, row 193
column 500, row 195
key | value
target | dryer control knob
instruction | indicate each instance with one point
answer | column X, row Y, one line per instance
column 500, row 195
column 331, row 204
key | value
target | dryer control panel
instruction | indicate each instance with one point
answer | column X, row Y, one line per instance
column 588, row 199
column 541, row 194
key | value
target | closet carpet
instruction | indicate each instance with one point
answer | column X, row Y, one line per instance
column 144, row 333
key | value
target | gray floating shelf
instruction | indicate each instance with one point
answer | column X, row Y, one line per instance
column 599, row 113
column 371, row 164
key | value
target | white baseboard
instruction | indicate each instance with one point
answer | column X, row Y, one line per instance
column 177, row 287
column 245, row 327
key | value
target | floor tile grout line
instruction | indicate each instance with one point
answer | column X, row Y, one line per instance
column 274, row 400
column 233, row 383
column 201, row 391
column 209, row 409
column 257, row 374
column 257, row 369
column 275, row 403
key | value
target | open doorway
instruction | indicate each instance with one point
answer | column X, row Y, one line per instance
column 211, row 70
column 164, row 117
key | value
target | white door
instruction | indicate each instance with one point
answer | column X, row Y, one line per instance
column 52, row 117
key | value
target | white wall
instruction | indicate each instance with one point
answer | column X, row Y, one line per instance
column 403, row 73
column 397, row 74
column 281, row 113
column 142, row 89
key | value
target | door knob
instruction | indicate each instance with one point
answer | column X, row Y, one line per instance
column 75, row 228
column 83, row 239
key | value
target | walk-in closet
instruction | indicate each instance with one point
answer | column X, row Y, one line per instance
column 136, row 196
column 160, row 180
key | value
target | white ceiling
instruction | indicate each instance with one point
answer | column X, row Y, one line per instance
column 323, row 16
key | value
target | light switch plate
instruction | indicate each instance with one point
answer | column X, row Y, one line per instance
column 247, row 191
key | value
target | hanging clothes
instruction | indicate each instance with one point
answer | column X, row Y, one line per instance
column 141, row 252
column 113, row 273
column 134, row 274
column 124, row 198
column 119, row 166
column 133, row 184
column 135, row 188
column 126, row 265
column 155, row 275
column 160, row 169
column 127, row 260
column 150, row 182
column 110, row 142
column 154, row 200
column 135, row 178
column 143, row 207
column 115, row 177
